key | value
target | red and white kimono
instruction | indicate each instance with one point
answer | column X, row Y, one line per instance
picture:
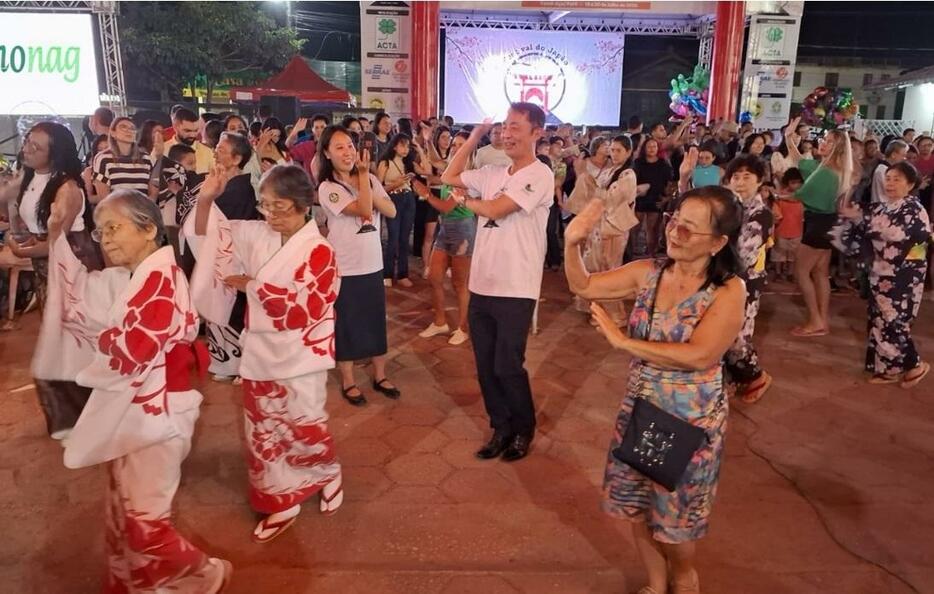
column 288, row 346
column 140, row 416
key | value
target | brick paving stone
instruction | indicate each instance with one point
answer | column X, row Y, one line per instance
column 470, row 584
column 822, row 475
column 416, row 438
column 418, row 469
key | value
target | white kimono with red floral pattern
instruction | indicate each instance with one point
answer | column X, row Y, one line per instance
column 132, row 420
column 288, row 346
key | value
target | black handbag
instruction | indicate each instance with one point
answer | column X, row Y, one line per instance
column 656, row 443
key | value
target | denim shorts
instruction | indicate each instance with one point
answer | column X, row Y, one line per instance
column 456, row 236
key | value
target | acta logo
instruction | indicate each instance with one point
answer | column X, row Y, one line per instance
column 44, row 60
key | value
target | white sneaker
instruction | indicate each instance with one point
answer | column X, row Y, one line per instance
column 434, row 330
column 459, row 337
column 387, row 282
column 425, row 273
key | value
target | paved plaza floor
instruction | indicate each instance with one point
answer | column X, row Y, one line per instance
column 826, row 486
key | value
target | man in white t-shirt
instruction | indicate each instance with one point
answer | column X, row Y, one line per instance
column 493, row 153
column 506, row 272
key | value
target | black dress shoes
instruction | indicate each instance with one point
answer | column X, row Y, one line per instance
column 518, row 448
column 496, row 446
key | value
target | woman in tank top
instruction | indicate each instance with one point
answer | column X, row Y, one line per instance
column 52, row 174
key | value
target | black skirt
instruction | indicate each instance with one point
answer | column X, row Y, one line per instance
column 360, row 327
column 817, row 226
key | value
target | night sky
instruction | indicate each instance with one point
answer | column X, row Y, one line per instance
column 901, row 32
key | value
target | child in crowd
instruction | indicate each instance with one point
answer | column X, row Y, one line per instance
column 789, row 215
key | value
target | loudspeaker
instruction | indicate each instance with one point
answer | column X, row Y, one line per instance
column 284, row 108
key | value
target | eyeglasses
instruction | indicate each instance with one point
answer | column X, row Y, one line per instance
column 267, row 211
column 682, row 232
column 106, row 231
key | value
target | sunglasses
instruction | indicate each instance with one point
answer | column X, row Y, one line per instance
column 682, row 232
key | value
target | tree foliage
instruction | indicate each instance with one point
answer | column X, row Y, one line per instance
column 167, row 44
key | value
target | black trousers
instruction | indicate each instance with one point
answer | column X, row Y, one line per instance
column 499, row 329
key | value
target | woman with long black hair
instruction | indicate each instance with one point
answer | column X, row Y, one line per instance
column 426, row 216
column 52, row 175
column 395, row 172
column 652, row 176
column 353, row 199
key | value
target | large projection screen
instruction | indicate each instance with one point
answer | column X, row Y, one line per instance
column 576, row 77
column 47, row 64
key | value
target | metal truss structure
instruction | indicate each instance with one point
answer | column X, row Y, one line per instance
column 705, row 34
column 557, row 22
column 114, row 86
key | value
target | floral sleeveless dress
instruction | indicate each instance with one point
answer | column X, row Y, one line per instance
column 696, row 397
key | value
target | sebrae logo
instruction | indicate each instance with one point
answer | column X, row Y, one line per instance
column 44, row 60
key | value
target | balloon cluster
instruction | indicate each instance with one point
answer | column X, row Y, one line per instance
column 689, row 94
column 828, row 108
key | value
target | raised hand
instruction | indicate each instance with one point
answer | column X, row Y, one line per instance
column 158, row 145
column 580, row 227
column 482, row 129
column 363, row 163
column 689, row 163
column 606, row 326
column 214, row 184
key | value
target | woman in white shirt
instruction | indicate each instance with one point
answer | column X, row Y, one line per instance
column 353, row 199
column 52, row 174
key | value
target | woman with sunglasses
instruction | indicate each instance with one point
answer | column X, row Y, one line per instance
column 353, row 199
column 688, row 310
column 289, row 275
column 52, row 176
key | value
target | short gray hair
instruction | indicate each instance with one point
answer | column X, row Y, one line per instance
column 895, row 146
column 137, row 207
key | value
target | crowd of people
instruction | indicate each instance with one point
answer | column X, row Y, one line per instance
column 277, row 244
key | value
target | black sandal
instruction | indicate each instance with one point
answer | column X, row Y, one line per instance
column 392, row 393
column 354, row 400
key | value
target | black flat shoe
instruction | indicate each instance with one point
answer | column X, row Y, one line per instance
column 391, row 393
column 354, row 400
column 494, row 447
column 518, row 448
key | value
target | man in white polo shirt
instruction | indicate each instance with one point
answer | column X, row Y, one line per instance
column 506, row 272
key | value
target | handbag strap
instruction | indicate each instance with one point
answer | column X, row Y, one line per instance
column 650, row 308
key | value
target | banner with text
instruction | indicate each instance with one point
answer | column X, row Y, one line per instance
column 385, row 56
column 47, row 64
column 575, row 77
column 768, row 78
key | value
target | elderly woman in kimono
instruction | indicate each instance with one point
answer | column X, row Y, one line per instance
column 615, row 187
column 142, row 410
column 893, row 235
column 289, row 274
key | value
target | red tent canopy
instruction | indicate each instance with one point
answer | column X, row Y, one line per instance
column 297, row 79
